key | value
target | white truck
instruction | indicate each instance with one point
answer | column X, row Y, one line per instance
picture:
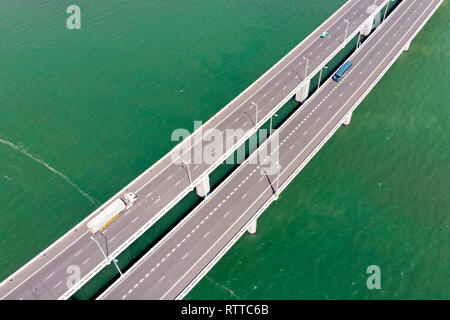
column 111, row 212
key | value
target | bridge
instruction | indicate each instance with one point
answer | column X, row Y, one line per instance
column 219, row 221
column 190, row 250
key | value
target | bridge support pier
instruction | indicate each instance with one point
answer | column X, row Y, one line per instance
column 203, row 187
column 367, row 28
column 252, row 227
column 303, row 92
column 406, row 48
column 347, row 120
column 373, row 21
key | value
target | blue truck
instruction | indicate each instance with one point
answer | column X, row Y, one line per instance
column 341, row 72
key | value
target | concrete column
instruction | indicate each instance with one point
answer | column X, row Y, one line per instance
column 406, row 48
column 252, row 227
column 303, row 92
column 367, row 28
column 203, row 187
column 346, row 121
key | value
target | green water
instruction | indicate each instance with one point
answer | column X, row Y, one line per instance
column 84, row 112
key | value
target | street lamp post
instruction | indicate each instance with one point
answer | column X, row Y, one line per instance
column 278, row 179
column 106, row 258
column 306, row 69
column 270, row 130
column 189, row 171
column 346, row 29
column 387, row 7
column 320, row 76
column 256, row 113
column 359, row 37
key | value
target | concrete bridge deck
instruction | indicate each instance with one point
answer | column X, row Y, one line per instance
column 188, row 252
column 159, row 188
